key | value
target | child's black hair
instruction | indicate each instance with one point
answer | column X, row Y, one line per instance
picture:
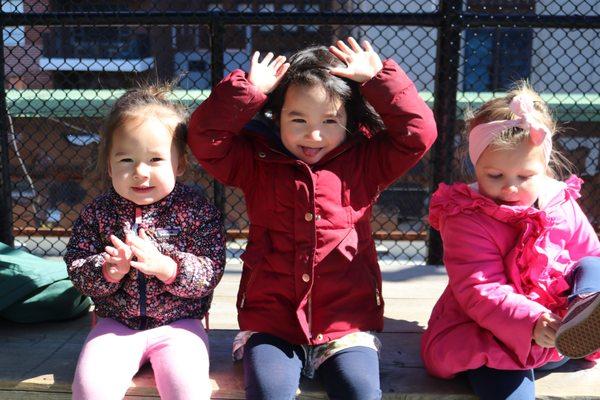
column 310, row 67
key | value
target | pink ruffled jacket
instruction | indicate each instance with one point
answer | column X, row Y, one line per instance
column 506, row 266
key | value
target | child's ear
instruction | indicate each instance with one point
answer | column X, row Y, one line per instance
column 109, row 169
column 181, row 165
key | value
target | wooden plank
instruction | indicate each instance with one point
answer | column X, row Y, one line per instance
column 38, row 361
column 29, row 395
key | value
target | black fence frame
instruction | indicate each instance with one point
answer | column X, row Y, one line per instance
column 450, row 20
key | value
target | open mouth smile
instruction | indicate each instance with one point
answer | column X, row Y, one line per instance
column 310, row 151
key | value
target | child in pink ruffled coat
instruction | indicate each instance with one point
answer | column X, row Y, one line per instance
column 523, row 261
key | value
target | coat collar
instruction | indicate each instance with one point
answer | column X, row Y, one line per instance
column 460, row 197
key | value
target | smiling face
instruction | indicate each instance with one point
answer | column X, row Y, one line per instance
column 311, row 122
column 511, row 176
column 143, row 161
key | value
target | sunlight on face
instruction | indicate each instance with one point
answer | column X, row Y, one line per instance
column 312, row 124
column 143, row 161
column 511, row 176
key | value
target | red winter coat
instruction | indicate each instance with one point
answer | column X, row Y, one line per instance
column 310, row 267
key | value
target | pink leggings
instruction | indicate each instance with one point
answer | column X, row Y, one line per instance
column 113, row 353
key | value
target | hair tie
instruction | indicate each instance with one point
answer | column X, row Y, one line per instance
column 522, row 106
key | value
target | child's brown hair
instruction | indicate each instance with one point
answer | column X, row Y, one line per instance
column 140, row 102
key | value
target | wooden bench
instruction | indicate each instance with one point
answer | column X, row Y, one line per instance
column 38, row 361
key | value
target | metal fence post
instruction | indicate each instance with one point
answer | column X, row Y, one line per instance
column 444, row 108
column 217, row 49
column 6, row 223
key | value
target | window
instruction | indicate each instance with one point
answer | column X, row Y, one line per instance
column 497, row 57
column 311, row 8
column 289, row 8
column 266, row 8
column 197, row 66
column 215, row 7
column 118, row 42
column 13, row 36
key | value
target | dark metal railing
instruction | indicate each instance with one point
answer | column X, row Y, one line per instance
column 450, row 19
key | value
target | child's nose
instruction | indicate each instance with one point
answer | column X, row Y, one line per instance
column 141, row 170
column 511, row 188
column 315, row 134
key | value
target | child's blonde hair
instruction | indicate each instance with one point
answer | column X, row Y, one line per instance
column 499, row 109
column 147, row 100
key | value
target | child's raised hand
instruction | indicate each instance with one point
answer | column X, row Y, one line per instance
column 150, row 261
column 117, row 258
column 266, row 74
column 362, row 63
column 544, row 332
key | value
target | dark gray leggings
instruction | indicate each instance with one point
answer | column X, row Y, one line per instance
column 272, row 369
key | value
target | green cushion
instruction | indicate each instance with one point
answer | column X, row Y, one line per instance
column 33, row 289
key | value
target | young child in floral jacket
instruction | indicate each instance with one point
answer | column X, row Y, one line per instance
column 149, row 252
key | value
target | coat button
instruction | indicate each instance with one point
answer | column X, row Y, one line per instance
column 305, row 277
column 261, row 154
column 318, row 217
column 320, row 336
column 308, row 216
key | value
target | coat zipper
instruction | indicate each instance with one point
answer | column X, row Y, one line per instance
column 142, row 285
column 141, row 279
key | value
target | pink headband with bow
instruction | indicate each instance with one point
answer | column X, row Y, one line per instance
column 522, row 106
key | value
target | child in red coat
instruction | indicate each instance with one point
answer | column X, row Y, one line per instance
column 336, row 127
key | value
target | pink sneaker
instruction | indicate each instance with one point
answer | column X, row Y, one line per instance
column 579, row 333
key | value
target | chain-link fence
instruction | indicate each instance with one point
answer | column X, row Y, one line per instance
column 65, row 62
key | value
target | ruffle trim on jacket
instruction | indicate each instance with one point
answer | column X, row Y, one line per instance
column 527, row 264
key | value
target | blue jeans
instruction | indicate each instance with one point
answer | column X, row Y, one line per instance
column 585, row 277
column 496, row 384
column 272, row 369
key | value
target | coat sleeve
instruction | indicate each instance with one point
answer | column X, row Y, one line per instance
column 410, row 128
column 213, row 134
column 479, row 284
column 584, row 241
column 201, row 264
column 84, row 257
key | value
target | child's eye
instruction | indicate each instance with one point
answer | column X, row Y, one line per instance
column 331, row 121
column 298, row 120
column 156, row 159
column 525, row 177
column 495, row 176
column 126, row 160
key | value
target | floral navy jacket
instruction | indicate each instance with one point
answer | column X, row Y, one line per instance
column 183, row 226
